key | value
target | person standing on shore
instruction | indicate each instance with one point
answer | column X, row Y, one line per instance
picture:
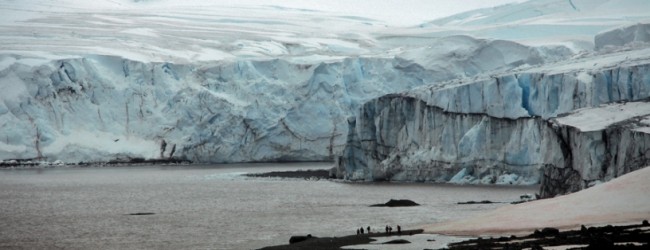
column 368, row 229
column 399, row 230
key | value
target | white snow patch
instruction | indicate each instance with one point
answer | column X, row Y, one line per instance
column 622, row 200
column 13, row 88
column 6, row 62
column 105, row 142
column 11, row 148
column 141, row 31
column 594, row 119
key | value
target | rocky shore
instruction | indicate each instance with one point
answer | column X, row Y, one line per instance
column 606, row 237
column 327, row 243
column 635, row 236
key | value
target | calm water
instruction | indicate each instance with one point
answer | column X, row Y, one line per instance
column 209, row 207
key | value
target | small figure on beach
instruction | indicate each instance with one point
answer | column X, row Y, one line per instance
column 361, row 230
column 399, row 229
column 358, row 231
column 368, row 229
column 386, row 228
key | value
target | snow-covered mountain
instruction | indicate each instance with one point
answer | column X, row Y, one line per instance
column 117, row 79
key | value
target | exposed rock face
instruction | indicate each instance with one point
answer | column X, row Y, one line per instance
column 501, row 130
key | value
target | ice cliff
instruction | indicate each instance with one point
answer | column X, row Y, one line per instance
column 478, row 93
column 100, row 108
column 505, row 128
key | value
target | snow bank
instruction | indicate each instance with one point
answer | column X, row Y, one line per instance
column 622, row 200
column 599, row 118
column 639, row 33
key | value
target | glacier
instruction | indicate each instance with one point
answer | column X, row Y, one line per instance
column 102, row 108
column 524, row 127
column 479, row 97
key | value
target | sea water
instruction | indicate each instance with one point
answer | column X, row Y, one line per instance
column 211, row 207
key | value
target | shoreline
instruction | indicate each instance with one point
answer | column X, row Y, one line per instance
column 35, row 164
column 321, row 243
column 622, row 236
column 306, row 174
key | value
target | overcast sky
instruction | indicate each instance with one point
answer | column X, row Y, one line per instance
column 397, row 12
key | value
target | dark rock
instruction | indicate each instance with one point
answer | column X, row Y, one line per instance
column 536, row 247
column 141, row 213
column 606, row 237
column 600, row 242
column 476, row 202
column 302, row 174
column 322, row 243
column 397, row 241
column 549, row 231
column 397, row 203
column 645, row 223
column 299, row 238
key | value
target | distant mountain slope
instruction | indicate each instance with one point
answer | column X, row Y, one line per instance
column 551, row 11
column 572, row 22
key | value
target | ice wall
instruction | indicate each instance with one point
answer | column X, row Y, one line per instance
column 499, row 130
column 402, row 138
column 100, row 108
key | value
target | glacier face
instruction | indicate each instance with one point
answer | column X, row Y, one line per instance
column 98, row 108
column 255, row 87
column 487, row 130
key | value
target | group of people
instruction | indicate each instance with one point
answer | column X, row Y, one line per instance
column 389, row 230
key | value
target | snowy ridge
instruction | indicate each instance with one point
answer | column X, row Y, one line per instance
column 569, row 22
column 200, row 30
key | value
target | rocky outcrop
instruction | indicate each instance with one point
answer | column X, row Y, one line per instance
column 397, row 203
